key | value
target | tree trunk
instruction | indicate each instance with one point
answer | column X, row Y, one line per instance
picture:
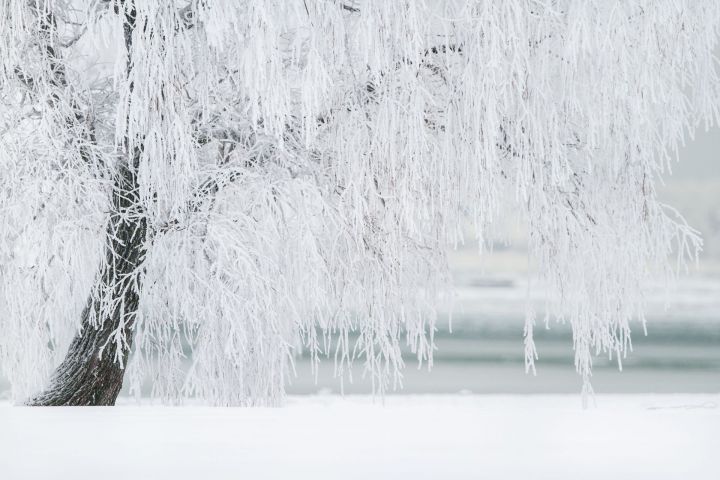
column 90, row 373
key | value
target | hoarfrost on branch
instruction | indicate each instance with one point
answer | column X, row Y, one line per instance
column 303, row 165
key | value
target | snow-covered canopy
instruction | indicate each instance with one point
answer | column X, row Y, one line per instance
column 304, row 165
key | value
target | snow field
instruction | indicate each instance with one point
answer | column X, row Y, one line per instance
column 328, row 437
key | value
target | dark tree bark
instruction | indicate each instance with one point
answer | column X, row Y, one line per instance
column 91, row 374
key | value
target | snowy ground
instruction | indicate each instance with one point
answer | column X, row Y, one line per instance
column 329, row 437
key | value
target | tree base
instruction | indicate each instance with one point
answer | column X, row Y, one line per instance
column 86, row 377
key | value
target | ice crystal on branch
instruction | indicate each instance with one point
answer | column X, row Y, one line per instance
column 300, row 168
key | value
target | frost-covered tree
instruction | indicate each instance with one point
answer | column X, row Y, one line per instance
column 247, row 179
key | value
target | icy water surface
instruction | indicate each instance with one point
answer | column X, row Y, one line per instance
column 674, row 358
column 484, row 354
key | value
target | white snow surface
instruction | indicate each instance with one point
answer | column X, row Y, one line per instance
column 420, row 437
